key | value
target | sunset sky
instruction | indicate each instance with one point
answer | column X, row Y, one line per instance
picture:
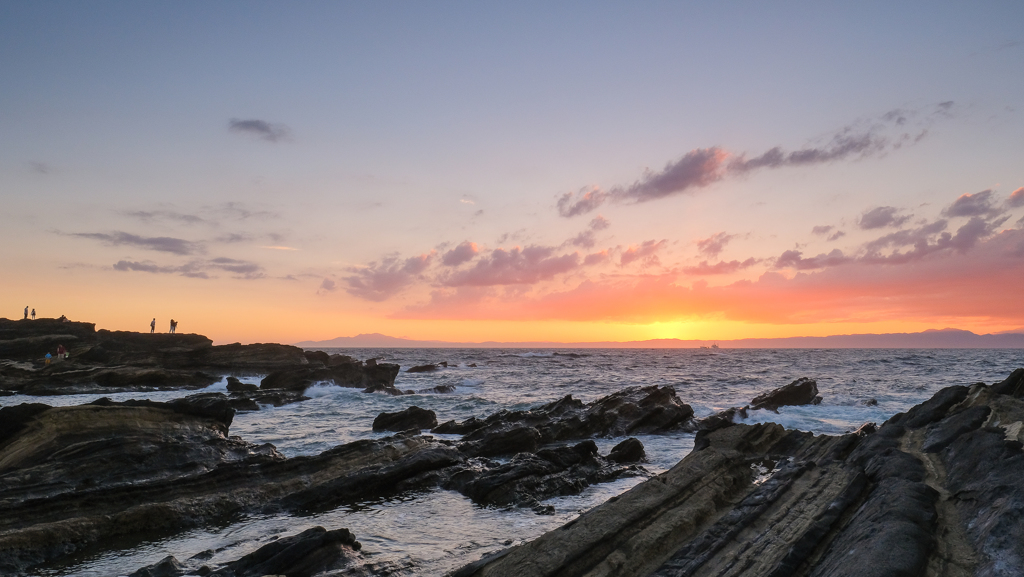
column 470, row 171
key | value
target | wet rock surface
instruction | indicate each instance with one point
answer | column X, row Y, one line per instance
column 634, row 410
column 305, row 554
column 938, row 490
column 411, row 418
column 109, row 473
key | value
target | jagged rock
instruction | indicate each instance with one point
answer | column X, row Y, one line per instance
column 306, row 554
column 527, row 477
column 937, row 490
column 386, row 389
column 635, row 410
column 453, row 428
column 422, row 369
column 236, row 386
column 629, row 451
column 803, row 391
column 353, row 374
column 494, row 442
column 166, row 567
column 411, row 418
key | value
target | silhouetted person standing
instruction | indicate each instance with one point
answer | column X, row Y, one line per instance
column 174, row 325
column 152, row 326
column 33, row 314
column 26, row 313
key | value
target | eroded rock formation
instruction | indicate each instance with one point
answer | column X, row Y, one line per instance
column 936, row 491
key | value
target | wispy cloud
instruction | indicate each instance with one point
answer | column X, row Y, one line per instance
column 261, row 129
column 644, row 251
column 152, row 215
column 516, row 266
column 379, row 281
column 588, row 237
column 40, row 167
column 196, row 268
column 702, row 167
column 881, row 217
column 714, row 244
column 721, row 267
column 158, row 243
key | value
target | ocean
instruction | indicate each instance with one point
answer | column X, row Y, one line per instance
column 431, row 533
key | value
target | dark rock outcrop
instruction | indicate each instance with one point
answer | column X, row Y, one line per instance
column 236, row 386
column 411, row 418
column 635, row 410
column 935, row 491
column 350, row 374
column 308, row 553
column 803, row 391
column 108, row 474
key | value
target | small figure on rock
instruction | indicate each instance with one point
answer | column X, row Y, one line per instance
column 64, row 319
column 33, row 314
column 152, row 326
column 62, row 353
column 174, row 325
column 48, row 357
column 26, row 313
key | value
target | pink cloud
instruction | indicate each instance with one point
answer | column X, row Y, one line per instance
column 1016, row 198
column 983, row 284
column 517, row 266
column 646, row 250
column 380, row 281
column 463, row 253
column 721, row 267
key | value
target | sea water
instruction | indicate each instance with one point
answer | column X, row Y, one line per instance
column 433, row 532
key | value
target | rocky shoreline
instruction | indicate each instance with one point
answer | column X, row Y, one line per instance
column 938, row 490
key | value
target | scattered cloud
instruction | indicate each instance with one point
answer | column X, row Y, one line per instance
column 702, row 167
column 528, row 265
column 794, row 259
column 259, row 129
column 158, row 243
column 881, row 217
column 195, row 268
column 721, row 267
column 279, row 247
column 40, row 167
column 836, row 235
column 327, row 286
column 461, row 254
column 714, row 244
column 645, row 250
column 588, row 238
column 1016, row 198
column 977, row 204
column 379, row 281
column 823, row 229
column 696, row 169
column 151, row 215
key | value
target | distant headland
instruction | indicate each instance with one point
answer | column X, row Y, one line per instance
column 930, row 339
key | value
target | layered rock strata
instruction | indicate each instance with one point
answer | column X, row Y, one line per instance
column 938, row 490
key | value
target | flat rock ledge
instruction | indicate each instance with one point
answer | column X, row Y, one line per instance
column 936, row 491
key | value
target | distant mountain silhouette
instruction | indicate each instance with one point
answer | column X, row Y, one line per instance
column 947, row 338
